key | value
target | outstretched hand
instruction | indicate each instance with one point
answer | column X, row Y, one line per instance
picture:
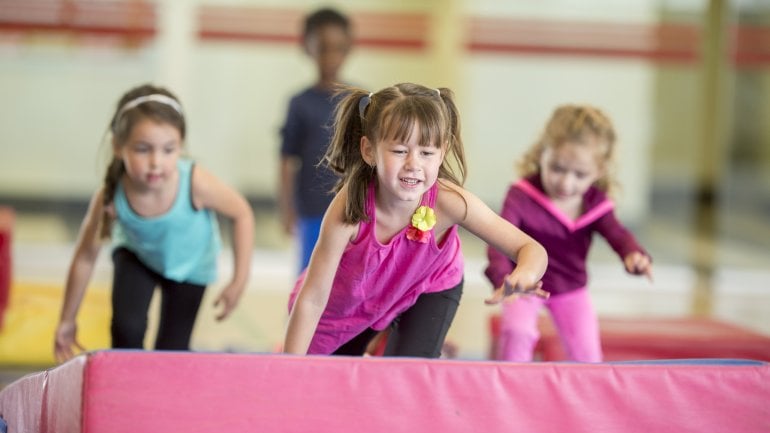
column 637, row 263
column 65, row 340
column 228, row 299
column 515, row 284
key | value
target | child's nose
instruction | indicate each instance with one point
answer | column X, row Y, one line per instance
column 155, row 158
column 409, row 162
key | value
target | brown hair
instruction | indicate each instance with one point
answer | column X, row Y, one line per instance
column 121, row 125
column 577, row 124
column 391, row 113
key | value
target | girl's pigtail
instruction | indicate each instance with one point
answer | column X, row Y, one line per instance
column 347, row 133
column 344, row 153
column 111, row 178
column 455, row 147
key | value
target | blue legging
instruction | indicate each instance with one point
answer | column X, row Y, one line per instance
column 307, row 231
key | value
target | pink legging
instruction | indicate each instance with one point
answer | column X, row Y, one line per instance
column 574, row 318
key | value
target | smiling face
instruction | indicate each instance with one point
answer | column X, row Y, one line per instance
column 150, row 154
column 405, row 169
column 569, row 169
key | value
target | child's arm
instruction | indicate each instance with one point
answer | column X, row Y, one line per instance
column 290, row 163
column 467, row 210
column 81, row 268
column 499, row 265
column 211, row 193
column 313, row 296
column 635, row 259
column 286, row 171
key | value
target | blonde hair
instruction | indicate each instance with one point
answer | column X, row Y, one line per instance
column 133, row 106
column 576, row 124
column 391, row 114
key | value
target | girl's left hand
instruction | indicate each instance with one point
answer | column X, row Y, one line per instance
column 229, row 300
column 637, row 263
column 517, row 283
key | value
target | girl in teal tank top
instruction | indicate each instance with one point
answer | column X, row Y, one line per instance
column 160, row 211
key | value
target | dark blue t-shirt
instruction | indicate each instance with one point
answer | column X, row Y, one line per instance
column 306, row 135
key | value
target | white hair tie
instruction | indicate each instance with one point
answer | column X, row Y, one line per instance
column 155, row 97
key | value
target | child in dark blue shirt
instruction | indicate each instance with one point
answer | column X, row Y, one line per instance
column 304, row 187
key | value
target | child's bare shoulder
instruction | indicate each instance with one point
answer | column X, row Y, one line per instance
column 334, row 218
column 452, row 201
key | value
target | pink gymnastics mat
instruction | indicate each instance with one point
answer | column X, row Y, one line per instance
column 136, row 391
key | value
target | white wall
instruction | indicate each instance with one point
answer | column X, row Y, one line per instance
column 56, row 97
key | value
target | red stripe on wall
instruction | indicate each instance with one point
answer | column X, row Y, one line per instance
column 391, row 29
column 249, row 24
column 136, row 20
column 130, row 18
column 656, row 42
column 370, row 29
column 751, row 46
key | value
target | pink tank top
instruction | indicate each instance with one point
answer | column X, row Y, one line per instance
column 376, row 282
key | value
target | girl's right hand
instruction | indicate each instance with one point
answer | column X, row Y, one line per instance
column 228, row 299
column 66, row 338
column 517, row 284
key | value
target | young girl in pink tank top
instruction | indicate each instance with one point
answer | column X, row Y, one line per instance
column 388, row 255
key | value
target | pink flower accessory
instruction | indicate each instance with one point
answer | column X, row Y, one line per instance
column 423, row 221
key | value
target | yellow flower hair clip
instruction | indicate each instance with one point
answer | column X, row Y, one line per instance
column 423, row 220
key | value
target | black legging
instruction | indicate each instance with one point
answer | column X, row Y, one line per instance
column 417, row 332
column 133, row 285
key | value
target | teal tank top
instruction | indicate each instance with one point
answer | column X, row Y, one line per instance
column 182, row 244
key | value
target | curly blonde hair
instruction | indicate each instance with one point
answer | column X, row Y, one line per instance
column 576, row 124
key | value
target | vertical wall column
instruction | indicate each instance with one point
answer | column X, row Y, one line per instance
column 712, row 154
column 175, row 41
column 446, row 43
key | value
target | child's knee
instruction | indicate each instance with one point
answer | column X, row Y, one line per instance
column 128, row 334
column 584, row 350
column 517, row 344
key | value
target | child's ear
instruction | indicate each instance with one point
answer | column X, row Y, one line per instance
column 445, row 148
column 309, row 43
column 602, row 170
column 367, row 150
column 115, row 149
column 600, row 176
